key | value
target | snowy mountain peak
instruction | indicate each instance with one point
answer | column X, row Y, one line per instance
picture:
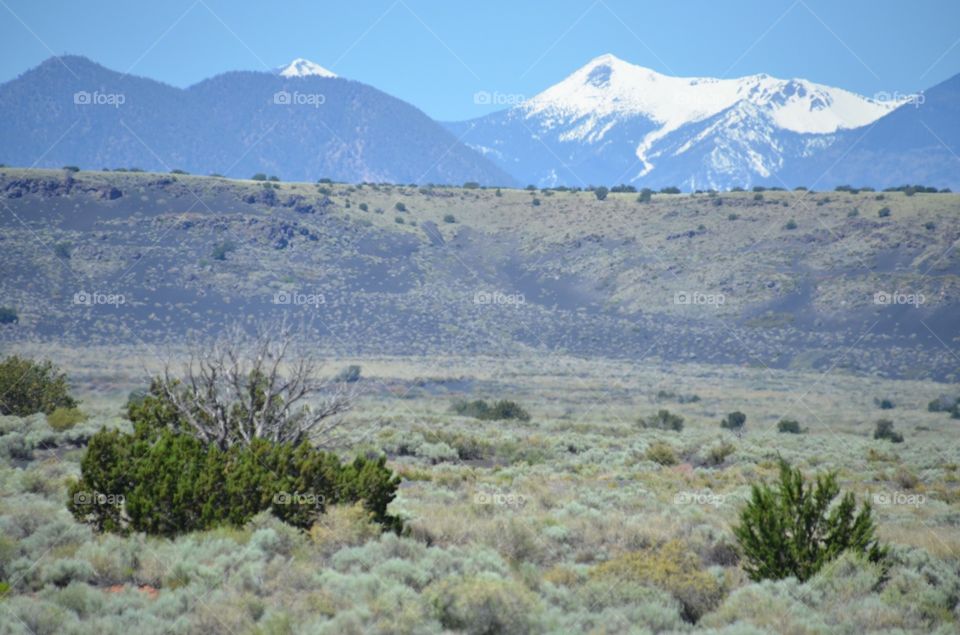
column 610, row 118
column 301, row 67
column 608, row 86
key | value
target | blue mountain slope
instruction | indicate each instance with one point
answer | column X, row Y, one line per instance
column 73, row 111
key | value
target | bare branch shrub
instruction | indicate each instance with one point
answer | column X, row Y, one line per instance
column 260, row 385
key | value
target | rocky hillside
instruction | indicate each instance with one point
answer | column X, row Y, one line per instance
column 866, row 282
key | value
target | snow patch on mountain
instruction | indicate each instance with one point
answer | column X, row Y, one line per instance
column 301, row 67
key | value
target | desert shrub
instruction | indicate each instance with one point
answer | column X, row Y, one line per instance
column 8, row 315
column 943, row 403
column 646, row 195
column 733, row 421
column 663, row 420
column 601, row 193
column 344, row 526
column 600, row 607
column 349, row 375
column 757, row 609
column 791, row 530
column 717, row 454
column 468, row 447
column 400, row 207
column 484, row 604
column 480, row 409
column 159, row 481
column 788, row 426
column 661, row 453
column 437, row 452
column 922, row 588
column 884, row 430
column 885, row 404
column 449, row 218
column 884, row 212
column 27, row 387
column 220, row 250
column 669, row 395
column 905, row 478
column 364, row 207
column 62, row 572
column 535, row 202
column 673, row 567
column 63, row 250
column 259, row 176
column 36, row 617
column 65, row 418
column 791, row 224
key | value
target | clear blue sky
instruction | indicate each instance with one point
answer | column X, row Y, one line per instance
column 437, row 54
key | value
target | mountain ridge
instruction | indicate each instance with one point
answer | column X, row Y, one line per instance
column 610, row 118
column 73, row 111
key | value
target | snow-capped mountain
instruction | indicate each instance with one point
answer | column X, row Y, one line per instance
column 301, row 67
column 613, row 118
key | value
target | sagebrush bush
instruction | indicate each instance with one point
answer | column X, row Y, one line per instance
column 661, row 453
column 485, row 604
column 673, row 567
column 884, row 430
column 663, row 420
column 500, row 410
column 788, row 426
column 344, row 526
column 734, row 421
column 65, row 418
column 717, row 454
column 791, row 530
column 28, row 387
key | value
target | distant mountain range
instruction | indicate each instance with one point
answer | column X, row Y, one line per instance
column 613, row 122
column 609, row 122
column 300, row 123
